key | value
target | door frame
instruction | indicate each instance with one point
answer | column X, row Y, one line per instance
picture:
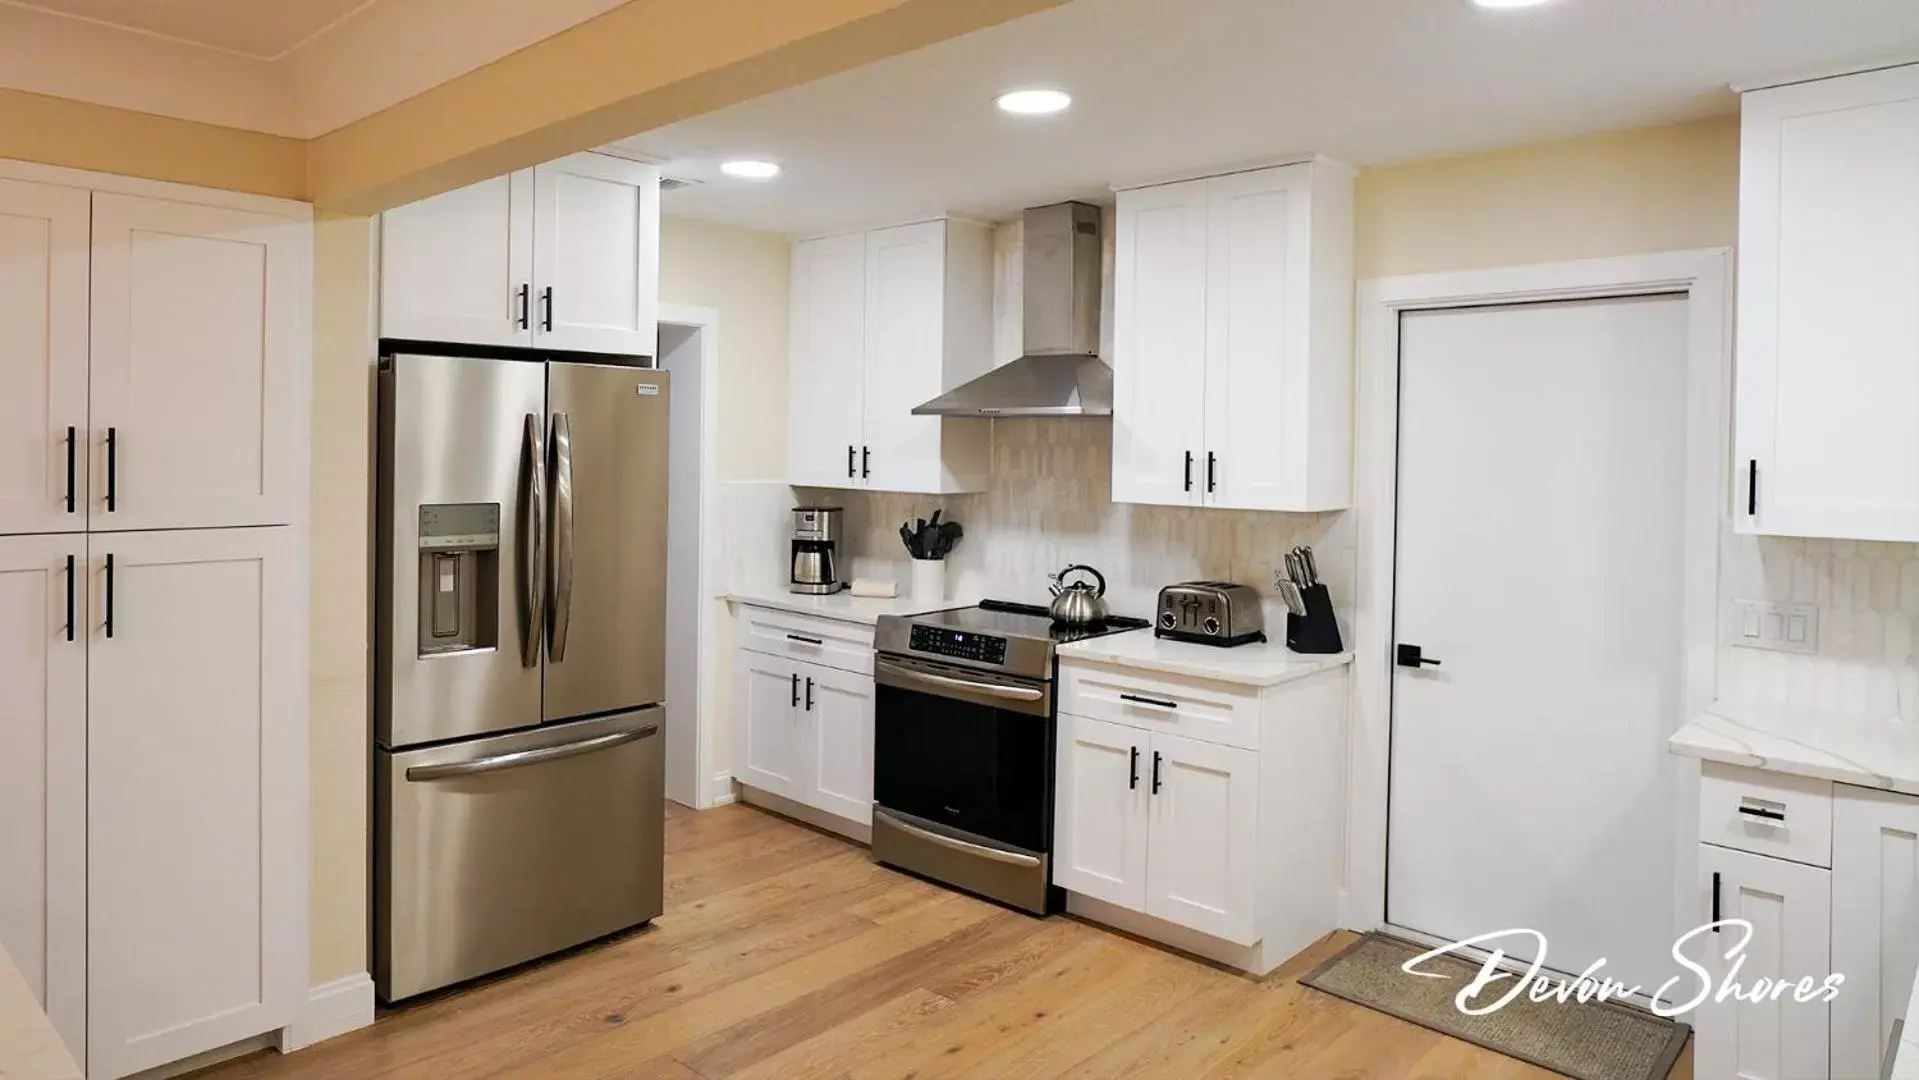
column 1704, row 276
column 707, row 789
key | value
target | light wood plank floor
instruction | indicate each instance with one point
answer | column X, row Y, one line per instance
column 785, row 954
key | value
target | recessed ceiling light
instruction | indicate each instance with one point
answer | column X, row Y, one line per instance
column 1506, row 4
column 751, row 170
column 1034, row 102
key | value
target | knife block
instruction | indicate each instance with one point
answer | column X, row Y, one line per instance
column 1317, row 631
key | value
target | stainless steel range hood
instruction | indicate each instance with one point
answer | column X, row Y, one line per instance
column 1060, row 372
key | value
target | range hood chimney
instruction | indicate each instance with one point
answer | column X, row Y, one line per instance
column 1059, row 373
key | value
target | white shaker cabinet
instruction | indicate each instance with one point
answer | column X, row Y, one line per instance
column 43, row 774
column 883, row 321
column 838, row 720
column 196, row 776
column 1232, row 348
column 198, row 404
column 1099, row 833
column 561, row 256
column 1828, row 310
column 1875, row 921
column 1789, row 907
column 43, row 357
column 803, row 728
column 1205, row 814
column 770, row 748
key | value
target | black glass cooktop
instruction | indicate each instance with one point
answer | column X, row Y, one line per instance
column 1004, row 618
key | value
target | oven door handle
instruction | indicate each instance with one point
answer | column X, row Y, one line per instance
column 947, row 682
column 965, row 847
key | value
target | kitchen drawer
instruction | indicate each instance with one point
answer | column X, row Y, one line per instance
column 829, row 642
column 1766, row 813
column 1195, row 708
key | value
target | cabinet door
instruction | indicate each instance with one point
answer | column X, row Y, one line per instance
column 459, row 266
column 769, row 749
column 1789, row 907
column 1159, row 345
column 905, row 331
column 1875, row 921
column 1829, row 308
column 838, row 707
column 1200, row 856
column 596, row 255
column 196, row 737
column 1099, row 823
column 43, row 774
column 826, row 377
column 43, row 357
column 200, row 339
column 1258, row 344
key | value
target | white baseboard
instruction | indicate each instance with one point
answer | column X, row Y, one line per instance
column 723, row 782
column 331, row 1009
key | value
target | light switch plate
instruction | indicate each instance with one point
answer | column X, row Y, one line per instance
column 1765, row 624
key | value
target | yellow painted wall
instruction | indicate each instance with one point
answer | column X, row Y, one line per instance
column 1620, row 193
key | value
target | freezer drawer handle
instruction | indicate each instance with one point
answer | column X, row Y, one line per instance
column 955, row 843
column 530, row 757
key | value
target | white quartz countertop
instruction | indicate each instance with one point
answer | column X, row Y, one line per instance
column 1258, row 664
column 29, row 1047
column 1871, row 751
column 842, row 606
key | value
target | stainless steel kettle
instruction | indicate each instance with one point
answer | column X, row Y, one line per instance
column 1078, row 603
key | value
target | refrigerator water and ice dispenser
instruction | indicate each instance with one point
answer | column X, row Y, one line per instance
column 459, row 577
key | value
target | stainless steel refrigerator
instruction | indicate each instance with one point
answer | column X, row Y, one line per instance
column 519, row 629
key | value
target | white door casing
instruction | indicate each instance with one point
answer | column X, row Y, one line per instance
column 837, row 709
column 1789, row 906
column 1159, row 341
column 596, row 255
column 1100, row 822
column 459, row 266
column 1204, row 820
column 44, row 254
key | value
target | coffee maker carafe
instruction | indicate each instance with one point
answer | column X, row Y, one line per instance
column 816, row 538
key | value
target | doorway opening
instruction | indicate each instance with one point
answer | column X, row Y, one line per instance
column 689, row 352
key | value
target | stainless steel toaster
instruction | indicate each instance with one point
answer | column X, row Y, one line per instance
column 1210, row 613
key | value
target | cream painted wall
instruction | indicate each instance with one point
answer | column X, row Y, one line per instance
column 1620, row 193
column 339, row 734
column 743, row 275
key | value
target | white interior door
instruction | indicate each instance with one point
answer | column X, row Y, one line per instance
column 839, row 721
column 196, row 932
column 198, row 365
column 43, row 773
column 1541, row 477
column 43, row 357
column 596, row 255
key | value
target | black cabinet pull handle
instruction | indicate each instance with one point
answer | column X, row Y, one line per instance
column 796, row 689
column 1752, row 488
column 1211, row 461
column 113, row 469
column 1132, row 770
column 866, row 462
column 1149, row 701
column 1715, row 899
column 109, row 595
column 69, row 598
column 804, row 640
column 1155, row 772
column 526, row 306
column 851, row 472
column 809, row 695
column 1412, row 657
column 1762, row 812
column 71, row 435
column 1189, row 470
column 546, row 300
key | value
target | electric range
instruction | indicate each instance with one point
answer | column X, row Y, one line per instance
column 965, row 723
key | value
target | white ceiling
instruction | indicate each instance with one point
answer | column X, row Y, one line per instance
column 265, row 29
column 1163, row 87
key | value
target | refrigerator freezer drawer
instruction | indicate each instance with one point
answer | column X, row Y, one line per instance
column 495, row 851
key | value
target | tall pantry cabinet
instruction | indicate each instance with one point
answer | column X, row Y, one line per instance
column 154, row 345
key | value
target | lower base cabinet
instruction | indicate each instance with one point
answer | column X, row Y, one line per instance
column 1789, row 907
column 805, row 733
column 1875, row 923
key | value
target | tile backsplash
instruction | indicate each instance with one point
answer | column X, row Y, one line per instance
column 1049, row 506
column 1868, row 599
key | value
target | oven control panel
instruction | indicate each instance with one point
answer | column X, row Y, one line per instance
column 979, row 648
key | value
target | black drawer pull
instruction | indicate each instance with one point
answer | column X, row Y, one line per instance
column 804, row 640
column 1150, row 701
column 1762, row 812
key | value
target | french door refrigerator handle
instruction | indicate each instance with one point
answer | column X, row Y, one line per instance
column 562, row 444
column 530, row 757
column 533, row 544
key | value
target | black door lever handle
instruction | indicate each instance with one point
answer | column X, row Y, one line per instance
column 1409, row 656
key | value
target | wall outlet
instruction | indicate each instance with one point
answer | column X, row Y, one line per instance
column 1764, row 624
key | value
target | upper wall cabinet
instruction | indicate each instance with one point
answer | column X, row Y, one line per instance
column 43, row 357
column 883, row 321
column 563, row 256
column 1828, row 353
column 1232, row 343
